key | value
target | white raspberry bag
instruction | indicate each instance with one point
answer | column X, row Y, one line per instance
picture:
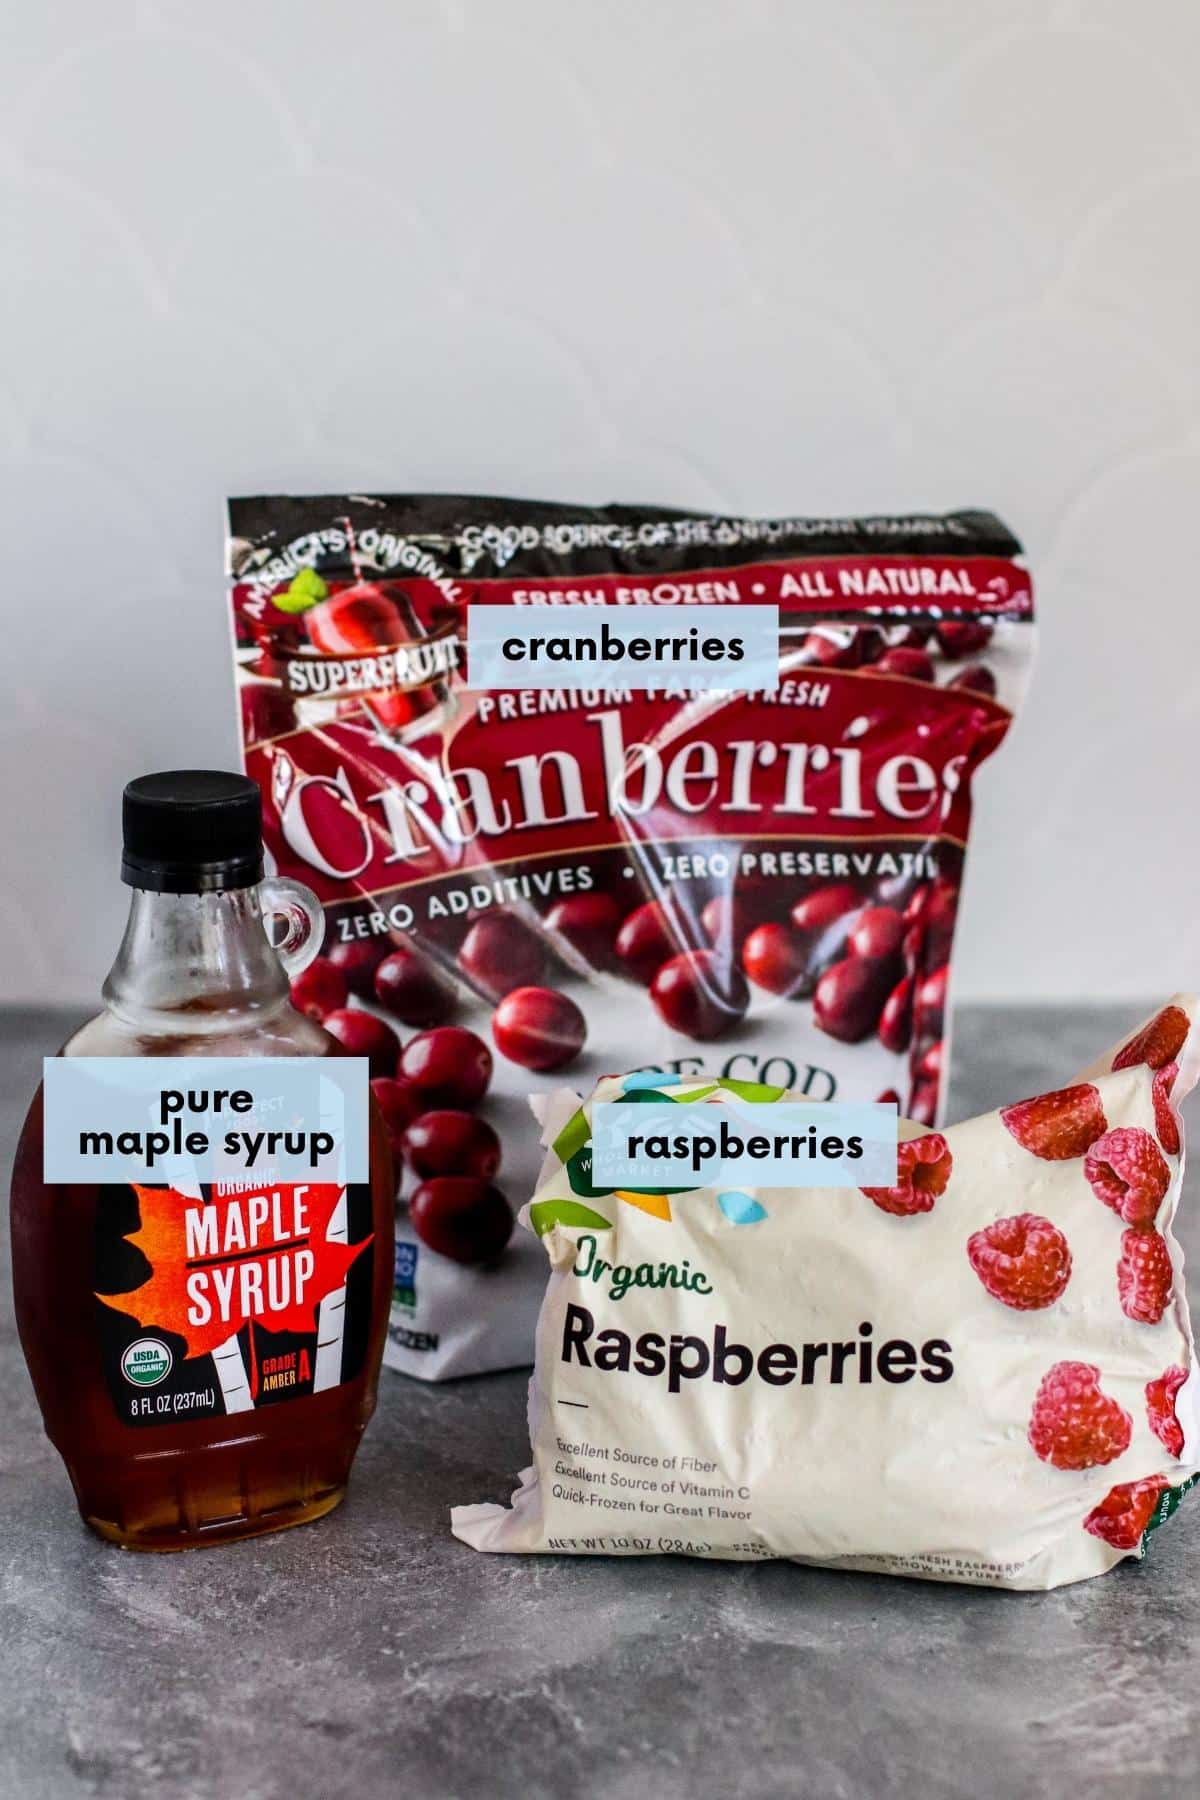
column 984, row 1373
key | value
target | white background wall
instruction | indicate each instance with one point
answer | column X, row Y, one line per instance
column 724, row 253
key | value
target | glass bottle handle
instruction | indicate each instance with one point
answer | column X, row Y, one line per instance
column 303, row 922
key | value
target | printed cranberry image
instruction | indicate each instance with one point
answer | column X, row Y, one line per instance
column 1060, row 1125
column 319, row 989
column 895, row 1021
column 964, row 637
column 878, row 931
column 929, row 1003
column 938, row 920
column 976, row 678
column 1024, row 1262
column 923, row 1169
column 267, row 712
column 700, row 994
column 409, row 986
column 1128, row 1172
column 452, row 1143
column 362, row 1034
column 1157, row 1043
column 646, row 940
column 824, row 906
column 1073, row 1425
column 400, row 1103
column 358, row 960
column 850, row 996
column 842, row 646
column 728, row 920
column 1166, row 1119
column 449, row 1065
column 1125, row 1511
column 932, row 1062
column 922, row 1102
column 901, row 660
column 461, row 1217
column 1160, row 1408
column 1144, row 1276
column 500, row 953
column 773, row 957
column 539, row 1028
column 590, row 923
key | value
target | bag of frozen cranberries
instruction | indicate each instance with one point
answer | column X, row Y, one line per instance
column 527, row 885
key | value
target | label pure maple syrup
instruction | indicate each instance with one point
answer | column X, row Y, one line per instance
column 205, row 1351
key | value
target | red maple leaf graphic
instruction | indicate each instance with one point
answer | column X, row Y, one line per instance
column 234, row 1258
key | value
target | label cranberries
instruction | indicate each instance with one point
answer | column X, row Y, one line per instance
column 450, row 1065
column 1024, row 1262
column 461, row 1217
column 1073, row 1425
column 539, row 1028
column 923, row 1169
column 700, row 993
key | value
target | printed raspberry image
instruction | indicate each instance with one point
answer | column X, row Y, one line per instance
column 1073, row 1425
column 1060, row 1125
column 1129, row 1173
column 1166, row 1119
column 1144, row 1276
column 1157, row 1043
column 1125, row 1511
column 923, row 1167
column 1160, row 1408
column 1024, row 1262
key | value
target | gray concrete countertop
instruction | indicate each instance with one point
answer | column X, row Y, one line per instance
column 372, row 1655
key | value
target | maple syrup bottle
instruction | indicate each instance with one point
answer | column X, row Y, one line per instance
column 205, row 1357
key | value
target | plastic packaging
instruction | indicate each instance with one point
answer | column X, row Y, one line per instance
column 982, row 1373
column 761, row 886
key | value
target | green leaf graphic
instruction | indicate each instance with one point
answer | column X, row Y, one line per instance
column 573, row 1136
column 752, row 1090
column 544, row 1215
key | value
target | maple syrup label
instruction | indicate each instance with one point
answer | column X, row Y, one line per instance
column 230, row 1297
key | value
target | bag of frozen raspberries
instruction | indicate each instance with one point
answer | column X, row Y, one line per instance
column 527, row 885
column 981, row 1372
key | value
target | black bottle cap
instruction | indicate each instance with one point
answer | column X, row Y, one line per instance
column 192, row 831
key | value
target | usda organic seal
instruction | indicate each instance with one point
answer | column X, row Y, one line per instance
column 146, row 1362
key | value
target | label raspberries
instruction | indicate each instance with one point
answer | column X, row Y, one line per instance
column 1073, row 1425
